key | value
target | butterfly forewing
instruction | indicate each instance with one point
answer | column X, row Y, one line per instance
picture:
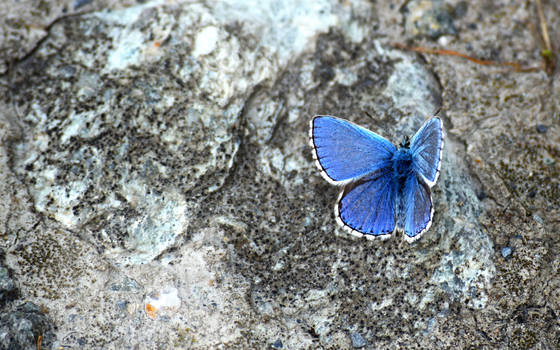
column 346, row 152
column 426, row 147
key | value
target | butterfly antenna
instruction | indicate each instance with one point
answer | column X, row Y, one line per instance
column 437, row 111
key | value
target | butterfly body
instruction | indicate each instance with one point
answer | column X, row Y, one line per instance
column 385, row 187
column 402, row 163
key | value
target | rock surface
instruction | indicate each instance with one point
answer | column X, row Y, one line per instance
column 25, row 327
column 8, row 290
column 157, row 189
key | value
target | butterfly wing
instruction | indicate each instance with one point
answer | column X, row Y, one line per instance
column 426, row 147
column 417, row 208
column 367, row 207
column 345, row 151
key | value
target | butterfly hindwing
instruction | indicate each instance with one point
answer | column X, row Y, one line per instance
column 367, row 207
column 426, row 147
column 418, row 208
column 345, row 151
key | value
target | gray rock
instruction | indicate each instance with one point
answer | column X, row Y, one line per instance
column 8, row 290
column 134, row 154
column 432, row 18
column 26, row 23
column 7, row 286
column 373, row 281
column 357, row 340
column 542, row 128
column 164, row 147
column 25, row 327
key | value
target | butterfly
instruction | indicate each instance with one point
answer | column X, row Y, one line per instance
column 385, row 187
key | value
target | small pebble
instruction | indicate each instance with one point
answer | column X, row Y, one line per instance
column 80, row 3
column 538, row 219
column 277, row 344
column 444, row 40
column 121, row 305
column 430, row 18
column 357, row 340
column 506, row 252
column 541, row 128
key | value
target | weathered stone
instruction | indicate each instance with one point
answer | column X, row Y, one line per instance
column 159, row 153
column 8, row 290
column 26, row 328
column 432, row 18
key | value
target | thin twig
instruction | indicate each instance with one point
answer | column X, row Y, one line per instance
column 547, row 54
column 543, row 25
column 516, row 66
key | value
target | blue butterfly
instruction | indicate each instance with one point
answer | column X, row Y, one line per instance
column 385, row 187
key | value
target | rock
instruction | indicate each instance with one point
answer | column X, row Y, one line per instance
column 135, row 153
column 158, row 153
column 26, row 24
column 7, row 286
column 506, row 252
column 432, row 18
column 25, row 328
column 8, row 290
column 277, row 344
column 542, row 128
column 357, row 340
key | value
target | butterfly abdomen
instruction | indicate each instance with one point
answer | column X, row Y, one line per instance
column 402, row 167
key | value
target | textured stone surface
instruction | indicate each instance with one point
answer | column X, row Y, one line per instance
column 8, row 290
column 431, row 18
column 157, row 189
column 26, row 327
column 26, row 22
column 132, row 152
